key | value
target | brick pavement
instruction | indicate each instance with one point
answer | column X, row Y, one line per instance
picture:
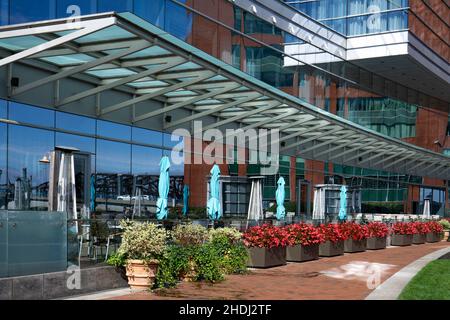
column 334, row 278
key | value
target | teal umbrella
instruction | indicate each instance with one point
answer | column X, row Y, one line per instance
column 185, row 199
column 92, row 187
column 279, row 197
column 214, row 210
column 343, row 203
column 163, row 188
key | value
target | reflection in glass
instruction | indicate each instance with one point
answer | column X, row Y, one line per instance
column 64, row 7
column 145, row 168
column 3, row 109
column 152, row 11
column 178, row 20
column 71, row 122
column 27, row 176
column 3, row 146
column 147, row 136
column 25, row 10
column 113, row 130
column 33, row 115
column 115, row 5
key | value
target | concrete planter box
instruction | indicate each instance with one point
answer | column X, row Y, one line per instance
column 433, row 237
column 401, row 239
column 266, row 257
column 374, row 243
column 331, row 249
column 352, row 246
column 299, row 253
column 419, row 238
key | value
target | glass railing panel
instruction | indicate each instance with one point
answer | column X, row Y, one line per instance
column 36, row 242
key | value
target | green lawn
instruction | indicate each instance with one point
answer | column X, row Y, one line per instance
column 431, row 283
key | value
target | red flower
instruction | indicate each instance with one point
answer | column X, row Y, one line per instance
column 331, row 232
column 434, row 227
column 265, row 236
column 421, row 227
column 377, row 230
column 403, row 228
column 303, row 234
column 352, row 230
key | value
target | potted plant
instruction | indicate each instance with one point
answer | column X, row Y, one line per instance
column 189, row 236
column 377, row 233
column 355, row 236
column 333, row 240
column 421, row 230
column 445, row 223
column 435, row 231
column 142, row 245
column 402, row 234
column 303, row 242
column 266, row 246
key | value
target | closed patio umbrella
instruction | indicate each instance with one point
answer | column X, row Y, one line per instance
column 426, row 209
column 343, row 204
column 92, row 202
column 319, row 204
column 279, row 197
column 163, row 188
column 185, row 199
column 255, row 209
column 213, row 206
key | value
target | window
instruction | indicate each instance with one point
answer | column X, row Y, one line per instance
column 84, row 144
column 115, row 5
column 28, row 177
column 113, row 130
column 26, row 10
column 178, row 20
column 67, row 8
column 147, row 136
column 3, row 109
column 4, row 10
column 75, row 123
column 236, row 56
column 152, row 11
column 3, row 185
column 145, row 168
column 32, row 115
column 113, row 157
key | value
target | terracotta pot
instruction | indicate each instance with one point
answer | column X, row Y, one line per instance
column 300, row 253
column 374, row 243
column 352, row 246
column 141, row 274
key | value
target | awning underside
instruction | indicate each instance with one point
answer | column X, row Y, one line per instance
column 123, row 52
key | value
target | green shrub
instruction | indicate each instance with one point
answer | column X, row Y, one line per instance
column 172, row 265
column 382, row 207
column 445, row 224
column 197, row 213
column 207, row 263
column 233, row 256
column 117, row 260
column 189, row 234
column 142, row 240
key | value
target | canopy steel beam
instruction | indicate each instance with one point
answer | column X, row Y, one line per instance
column 382, row 161
column 301, row 131
column 170, row 63
column 411, row 154
column 243, row 115
column 208, row 112
column 340, row 146
column 185, row 103
column 325, row 143
column 91, row 64
column 50, row 44
column 378, row 143
column 148, row 96
column 316, row 136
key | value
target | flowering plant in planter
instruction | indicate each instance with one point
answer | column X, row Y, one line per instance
column 434, row 227
column 303, row 234
column 377, row 230
column 354, row 231
column 421, row 227
column 265, row 236
column 403, row 228
column 331, row 232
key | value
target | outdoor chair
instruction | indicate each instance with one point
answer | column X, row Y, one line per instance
column 377, row 218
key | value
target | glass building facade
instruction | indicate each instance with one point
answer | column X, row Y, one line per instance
column 123, row 156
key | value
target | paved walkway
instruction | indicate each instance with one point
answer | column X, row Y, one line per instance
column 351, row 276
